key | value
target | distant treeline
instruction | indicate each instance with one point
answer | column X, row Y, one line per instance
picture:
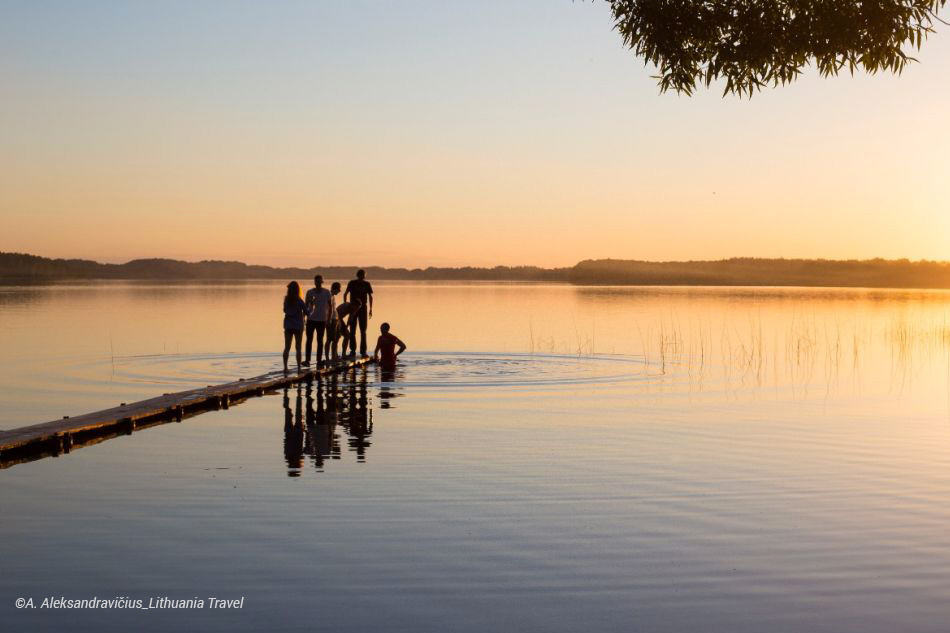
column 871, row 273
column 20, row 266
column 749, row 271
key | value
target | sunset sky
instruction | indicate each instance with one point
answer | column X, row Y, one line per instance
column 440, row 133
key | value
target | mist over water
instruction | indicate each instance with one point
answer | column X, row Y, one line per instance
column 547, row 457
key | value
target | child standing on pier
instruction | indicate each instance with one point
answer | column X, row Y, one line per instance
column 334, row 324
column 345, row 313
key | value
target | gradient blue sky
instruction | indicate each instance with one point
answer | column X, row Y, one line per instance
column 442, row 133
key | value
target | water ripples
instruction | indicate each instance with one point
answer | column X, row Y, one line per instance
column 425, row 370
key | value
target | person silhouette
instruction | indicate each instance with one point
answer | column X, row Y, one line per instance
column 385, row 351
column 362, row 291
column 346, row 311
column 336, row 324
column 318, row 302
column 294, row 311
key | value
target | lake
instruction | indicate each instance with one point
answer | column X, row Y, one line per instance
column 546, row 458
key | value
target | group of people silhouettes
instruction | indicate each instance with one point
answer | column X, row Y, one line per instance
column 317, row 313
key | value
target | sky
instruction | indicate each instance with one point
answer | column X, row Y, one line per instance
column 438, row 133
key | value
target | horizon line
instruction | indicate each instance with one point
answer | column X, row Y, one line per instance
column 486, row 267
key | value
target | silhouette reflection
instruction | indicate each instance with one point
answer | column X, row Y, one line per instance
column 319, row 414
column 293, row 435
column 387, row 378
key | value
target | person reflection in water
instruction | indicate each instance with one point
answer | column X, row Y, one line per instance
column 356, row 416
column 293, row 434
column 385, row 351
column 387, row 378
column 312, row 431
column 321, row 414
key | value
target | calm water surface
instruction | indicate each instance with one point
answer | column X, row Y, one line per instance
column 547, row 458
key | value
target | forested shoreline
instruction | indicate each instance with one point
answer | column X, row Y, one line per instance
column 872, row 273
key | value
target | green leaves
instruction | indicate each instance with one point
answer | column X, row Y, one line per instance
column 751, row 44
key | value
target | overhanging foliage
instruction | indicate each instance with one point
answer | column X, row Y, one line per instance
column 756, row 43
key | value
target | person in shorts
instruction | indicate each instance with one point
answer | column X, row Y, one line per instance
column 294, row 313
column 318, row 313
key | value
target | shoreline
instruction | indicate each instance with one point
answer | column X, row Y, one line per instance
column 733, row 272
column 21, row 282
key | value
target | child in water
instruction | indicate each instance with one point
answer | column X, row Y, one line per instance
column 385, row 351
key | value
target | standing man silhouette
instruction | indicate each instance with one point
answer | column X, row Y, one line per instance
column 359, row 290
column 318, row 312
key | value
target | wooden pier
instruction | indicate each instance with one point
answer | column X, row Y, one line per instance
column 54, row 438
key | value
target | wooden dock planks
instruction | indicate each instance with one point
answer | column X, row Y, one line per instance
column 60, row 436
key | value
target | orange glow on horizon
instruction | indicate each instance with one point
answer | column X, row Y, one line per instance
column 542, row 150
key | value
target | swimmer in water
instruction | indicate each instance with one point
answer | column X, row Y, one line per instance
column 385, row 351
